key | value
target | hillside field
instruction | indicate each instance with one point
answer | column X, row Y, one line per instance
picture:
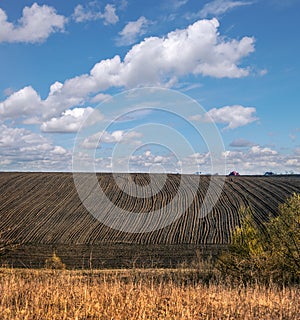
column 42, row 213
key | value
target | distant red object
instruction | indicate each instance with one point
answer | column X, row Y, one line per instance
column 234, row 173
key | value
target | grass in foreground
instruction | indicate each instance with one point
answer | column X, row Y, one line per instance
column 136, row 294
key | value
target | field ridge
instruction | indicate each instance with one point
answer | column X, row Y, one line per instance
column 43, row 210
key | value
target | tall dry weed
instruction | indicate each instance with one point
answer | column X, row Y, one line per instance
column 52, row 294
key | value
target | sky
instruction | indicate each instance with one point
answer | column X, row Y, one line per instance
column 150, row 86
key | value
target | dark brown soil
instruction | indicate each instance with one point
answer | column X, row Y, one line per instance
column 42, row 212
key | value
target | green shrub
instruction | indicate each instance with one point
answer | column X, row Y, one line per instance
column 266, row 252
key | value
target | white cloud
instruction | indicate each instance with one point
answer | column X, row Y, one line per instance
column 195, row 117
column 218, row 7
column 184, row 87
column 297, row 151
column 234, row 116
column 25, row 102
column 45, row 156
column 22, row 149
column 80, row 14
column 199, row 158
column 255, row 160
column 132, row 31
column 293, row 162
column 199, row 49
column 35, row 25
column 173, row 5
column 8, row 91
column 158, row 162
column 258, row 159
column 118, row 136
column 55, row 87
column 71, row 120
column 258, row 150
column 64, row 96
column 5, row 162
column 59, row 150
column 109, row 15
column 149, row 161
column 178, row 3
column 101, row 97
column 20, row 138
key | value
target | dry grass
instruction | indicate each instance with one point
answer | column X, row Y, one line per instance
column 136, row 294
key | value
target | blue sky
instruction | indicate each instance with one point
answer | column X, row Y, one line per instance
column 63, row 63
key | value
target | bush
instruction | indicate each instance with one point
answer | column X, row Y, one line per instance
column 54, row 262
column 266, row 252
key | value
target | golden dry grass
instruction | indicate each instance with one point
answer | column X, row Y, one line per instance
column 136, row 294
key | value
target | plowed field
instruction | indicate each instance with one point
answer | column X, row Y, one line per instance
column 43, row 212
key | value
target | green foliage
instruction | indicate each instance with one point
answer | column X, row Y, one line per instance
column 54, row 262
column 285, row 235
column 266, row 252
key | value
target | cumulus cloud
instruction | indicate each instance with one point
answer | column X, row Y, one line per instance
column 64, row 96
column 255, row 160
column 101, row 97
column 219, row 7
column 109, row 15
column 259, row 159
column 58, row 150
column 25, row 102
column 71, row 120
column 22, row 149
column 234, row 116
column 199, row 49
column 149, row 161
column 202, row 51
column 81, row 14
column 118, row 136
column 35, row 25
column 132, row 31
column 199, row 158
column 262, row 151
column 21, row 138
column 146, row 161
column 159, row 162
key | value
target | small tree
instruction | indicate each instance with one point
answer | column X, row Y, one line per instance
column 267, row 251
column 246, row 254
column 54, row 262
column 284, row 232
